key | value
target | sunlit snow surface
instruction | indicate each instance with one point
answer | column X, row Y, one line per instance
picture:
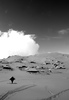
column 34, row 86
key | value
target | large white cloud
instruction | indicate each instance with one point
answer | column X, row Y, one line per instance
column 17, row 43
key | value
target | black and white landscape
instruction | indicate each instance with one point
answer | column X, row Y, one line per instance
column 39, row 77
column 34, row 50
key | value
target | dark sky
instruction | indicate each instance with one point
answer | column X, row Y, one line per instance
column 48, row 20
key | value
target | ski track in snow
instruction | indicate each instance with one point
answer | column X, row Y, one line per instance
column 22, row 88
column 55, row 96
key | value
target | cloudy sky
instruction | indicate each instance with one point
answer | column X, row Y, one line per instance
column 48, row 20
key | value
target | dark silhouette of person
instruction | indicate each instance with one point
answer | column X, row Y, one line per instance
column 12, row 79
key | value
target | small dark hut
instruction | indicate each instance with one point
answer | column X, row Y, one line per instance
column 32, row 70
column 12, row 79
